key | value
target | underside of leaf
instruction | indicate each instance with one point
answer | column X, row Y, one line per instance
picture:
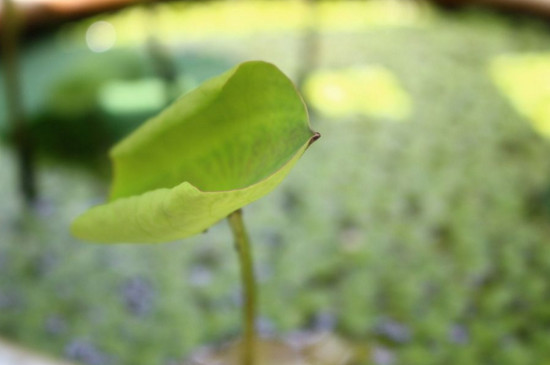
column 169, row 214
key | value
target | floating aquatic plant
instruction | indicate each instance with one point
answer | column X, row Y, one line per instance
column 216, row 149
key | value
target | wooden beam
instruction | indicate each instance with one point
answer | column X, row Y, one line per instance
column 535, row 7
column 39, row 15
column 42, row 13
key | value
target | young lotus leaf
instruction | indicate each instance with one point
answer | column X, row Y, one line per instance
column 215, row 150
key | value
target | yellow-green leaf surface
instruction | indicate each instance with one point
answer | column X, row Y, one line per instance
column 215, row 150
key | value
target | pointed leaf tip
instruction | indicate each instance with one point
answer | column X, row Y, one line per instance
column 315, row 137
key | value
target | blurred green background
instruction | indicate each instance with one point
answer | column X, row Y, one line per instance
column 416, row 229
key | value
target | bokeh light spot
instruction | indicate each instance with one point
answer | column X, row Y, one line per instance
column 525, row 80
column 100, row 36
column 128, row 97
column 371, row 91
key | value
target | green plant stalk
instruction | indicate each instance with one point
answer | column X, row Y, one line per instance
column 14, row 104
column 162, row 59
column 242, row 245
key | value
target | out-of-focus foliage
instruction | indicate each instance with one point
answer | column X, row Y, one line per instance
column 80, row 110
column 69, row 120
column 525, row 80
column 423, row 242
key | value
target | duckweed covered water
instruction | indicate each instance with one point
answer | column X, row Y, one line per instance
column 424, row 242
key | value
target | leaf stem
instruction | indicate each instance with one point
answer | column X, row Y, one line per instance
column 242, row 245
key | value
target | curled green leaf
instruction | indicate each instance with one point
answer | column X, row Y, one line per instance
column 216, row 149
